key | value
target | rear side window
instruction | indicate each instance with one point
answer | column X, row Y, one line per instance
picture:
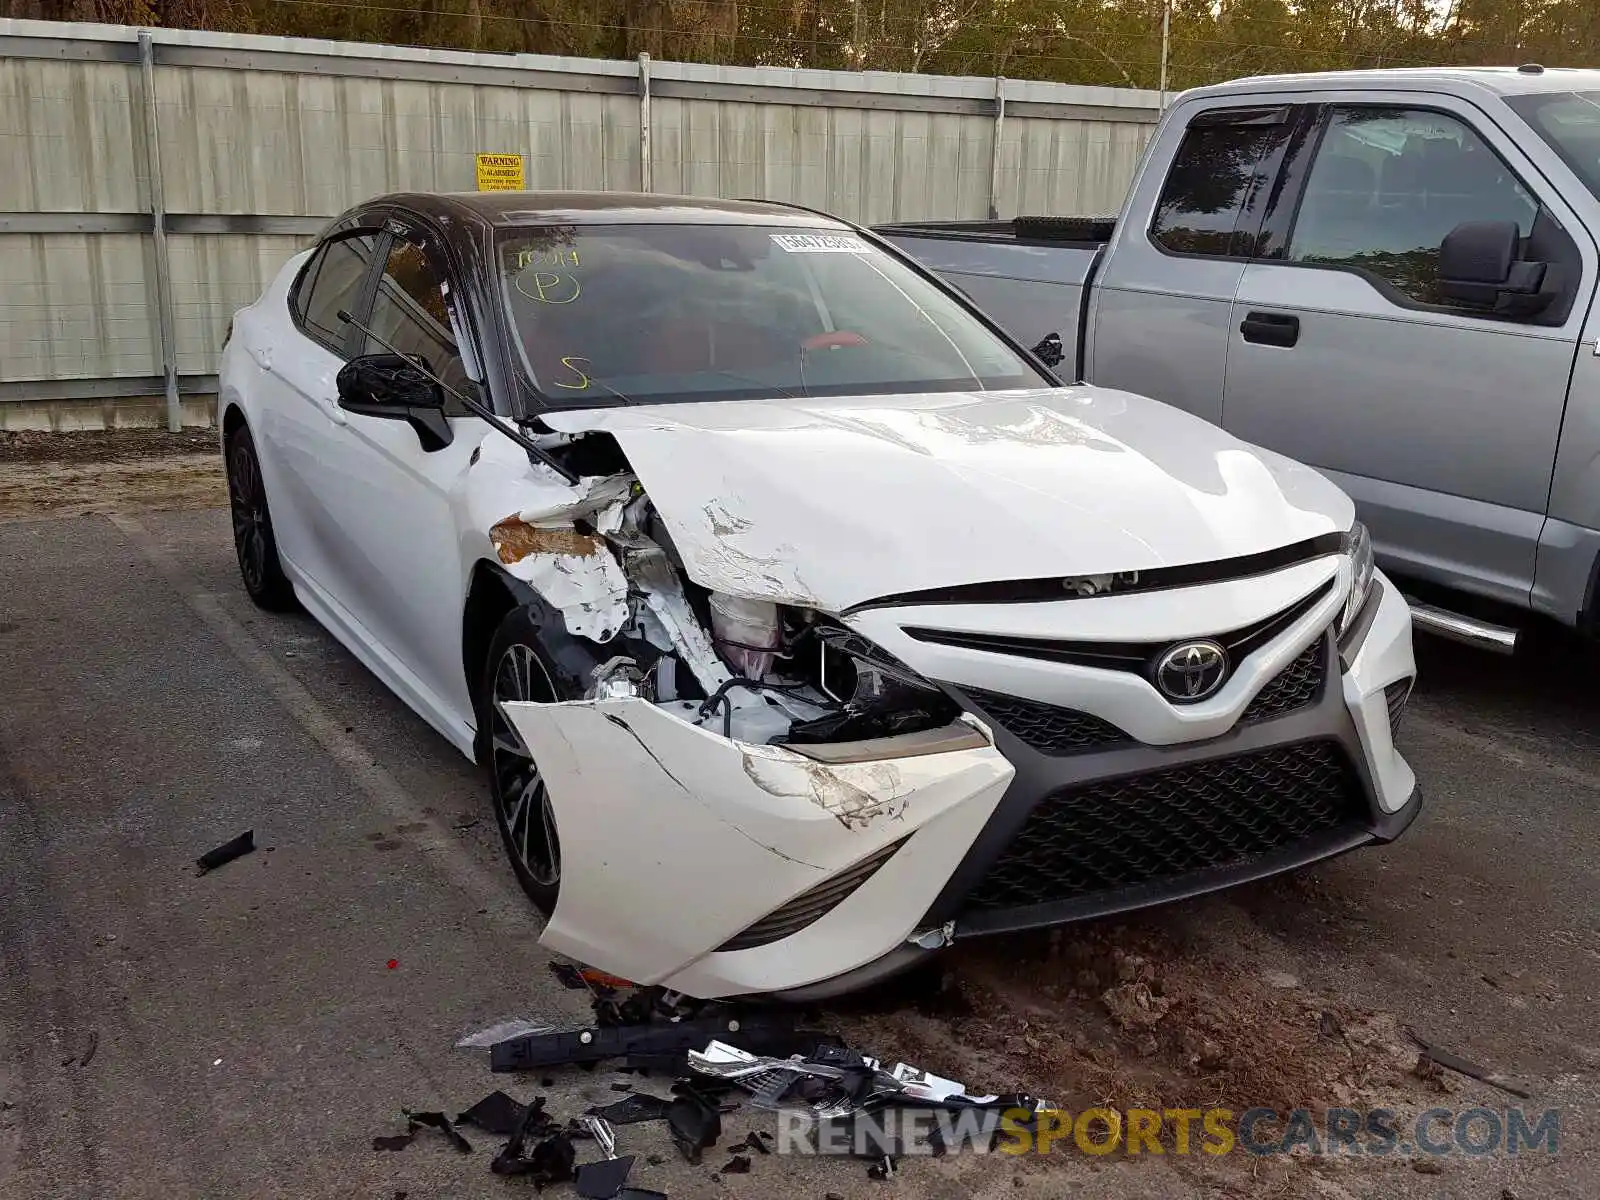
column 1219, row 173
column 1388, row 184
column 332, row 280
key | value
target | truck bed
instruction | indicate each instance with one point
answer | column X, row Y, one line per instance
column 1030, row 274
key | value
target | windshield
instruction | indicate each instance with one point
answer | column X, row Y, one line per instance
column 654, row 313
column 1570, row 122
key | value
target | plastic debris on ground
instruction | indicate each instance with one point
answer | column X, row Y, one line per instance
column 496, row 1113
column 694, row 1120
column 226, row 853
column 634, row 1109
column 714, row 1052
column 604, row 1179
column 502, row 1031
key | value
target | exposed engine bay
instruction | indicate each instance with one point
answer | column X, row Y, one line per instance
column 751, row 670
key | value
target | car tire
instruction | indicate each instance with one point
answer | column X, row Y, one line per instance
column 517, row 668
column 253, row 540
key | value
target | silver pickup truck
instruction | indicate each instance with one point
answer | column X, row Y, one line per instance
column 1389, row 275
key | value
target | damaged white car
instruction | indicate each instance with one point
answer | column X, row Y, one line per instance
column 802, row 621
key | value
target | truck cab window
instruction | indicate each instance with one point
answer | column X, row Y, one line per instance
column 1215, row 175
column 410, row 314
column 1387, row 185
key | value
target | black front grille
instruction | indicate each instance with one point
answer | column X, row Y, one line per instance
column 1123, row 832
column 1047, row 728
column 1293, row 687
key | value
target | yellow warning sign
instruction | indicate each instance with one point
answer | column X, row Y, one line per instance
column 501, row 173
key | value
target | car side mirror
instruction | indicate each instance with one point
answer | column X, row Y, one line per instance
column 1479, row 268
column 395, row 388
column 1050, row 351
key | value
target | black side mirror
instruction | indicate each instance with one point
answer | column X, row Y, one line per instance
column 1479, row 268
column 393, row 387
column 1050, row 350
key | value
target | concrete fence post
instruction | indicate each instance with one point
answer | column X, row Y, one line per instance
column 165, row 319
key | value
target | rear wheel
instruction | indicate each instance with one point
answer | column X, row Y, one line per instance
column 517, row 669
column 253, row 540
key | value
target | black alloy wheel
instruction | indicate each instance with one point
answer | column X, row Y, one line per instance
column 253, row 540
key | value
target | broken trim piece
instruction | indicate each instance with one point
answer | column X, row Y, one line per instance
column 958, row 735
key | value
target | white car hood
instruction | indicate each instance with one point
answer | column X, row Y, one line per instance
column 829, row 503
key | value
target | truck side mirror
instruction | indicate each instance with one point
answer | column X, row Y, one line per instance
column 1479, row 268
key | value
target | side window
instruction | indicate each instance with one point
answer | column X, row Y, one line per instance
column 332, row 280
column 1387, row 185
column 410, row 314
column 1216, row 175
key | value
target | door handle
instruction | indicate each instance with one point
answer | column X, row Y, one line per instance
column 1271, row 329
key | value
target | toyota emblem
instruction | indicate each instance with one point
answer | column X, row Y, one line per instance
column 1192, row 671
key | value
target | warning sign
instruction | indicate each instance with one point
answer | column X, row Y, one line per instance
column 501, row 173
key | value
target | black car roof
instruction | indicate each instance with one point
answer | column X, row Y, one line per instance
column 510, row 209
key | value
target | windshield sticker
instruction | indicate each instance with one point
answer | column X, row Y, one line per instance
column 821, row 243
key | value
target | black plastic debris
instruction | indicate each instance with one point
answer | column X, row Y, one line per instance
column 437, row 1120
column 540, row 1149
column 739, row 1164
column 227, row 852
column 662, row 1044
column 752, row 1142
column 633, row 1109
column 695, row 1122
column 496, row 1113
column 633, row 1193
column 604, row 1179
column 882, row 1169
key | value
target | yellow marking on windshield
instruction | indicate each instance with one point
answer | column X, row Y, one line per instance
column 583, row 380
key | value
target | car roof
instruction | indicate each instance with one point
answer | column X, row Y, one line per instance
column 497, row 210
column 1505, row 81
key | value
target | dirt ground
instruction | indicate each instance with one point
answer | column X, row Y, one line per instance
column 1479, row 930
column 73, row 474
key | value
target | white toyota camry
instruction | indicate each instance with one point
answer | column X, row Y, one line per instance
column 801, row 621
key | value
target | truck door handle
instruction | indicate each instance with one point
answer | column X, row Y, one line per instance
column 1271, row 329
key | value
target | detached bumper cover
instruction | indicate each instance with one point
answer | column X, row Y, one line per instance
column 675, row 841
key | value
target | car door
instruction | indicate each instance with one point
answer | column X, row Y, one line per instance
column 1158, row 317
column 398, row 584
column 1441, row 422
column 300, row 360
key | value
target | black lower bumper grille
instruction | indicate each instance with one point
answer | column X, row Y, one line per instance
column 1123, row 832
column 1293, row 687
column 1047, row 728
column 810, row 907
column 1395, row 696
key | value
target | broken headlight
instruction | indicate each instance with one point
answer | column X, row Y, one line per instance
column 1358, row 545
column 879, row 695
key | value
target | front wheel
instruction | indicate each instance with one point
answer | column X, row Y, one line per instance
column 518, row 669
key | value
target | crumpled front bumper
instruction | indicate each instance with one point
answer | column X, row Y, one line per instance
column 676, row 842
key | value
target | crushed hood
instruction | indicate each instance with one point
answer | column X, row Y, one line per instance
column 830, row 503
